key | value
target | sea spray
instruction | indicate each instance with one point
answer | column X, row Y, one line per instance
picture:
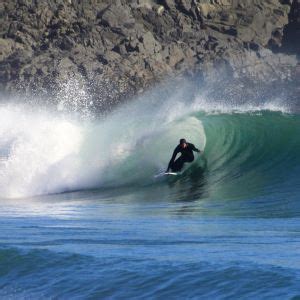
column 46, row 151
column 50, row 153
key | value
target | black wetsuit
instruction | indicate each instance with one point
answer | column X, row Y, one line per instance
column 187, row 155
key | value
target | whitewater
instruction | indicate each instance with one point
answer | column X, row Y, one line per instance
column 82, row 214
column 43, row 151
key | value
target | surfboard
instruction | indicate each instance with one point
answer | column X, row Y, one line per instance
column 171, row 173
column 166, row 174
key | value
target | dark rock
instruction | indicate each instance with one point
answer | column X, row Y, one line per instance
column 66, row 44
column 170, row 4
column 291, row 32
column 185, row 5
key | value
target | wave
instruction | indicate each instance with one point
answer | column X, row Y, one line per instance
column 45, row 274
column 257, row 151
column 46, row 152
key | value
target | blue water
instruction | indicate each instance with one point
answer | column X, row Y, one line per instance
column 82, row 246
column 78, row 225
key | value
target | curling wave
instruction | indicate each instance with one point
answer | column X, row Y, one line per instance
column 245, row 146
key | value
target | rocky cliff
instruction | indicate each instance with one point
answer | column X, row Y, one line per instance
column 291, row 37
column 117, row 48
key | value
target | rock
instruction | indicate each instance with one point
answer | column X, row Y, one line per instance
column 170, row 4
column 150, row 45
column 120, row 47
column 185, row 5
column 117, row 16
column 206, row 9
column 291, row 32
column 7, row 46
column 160, row 10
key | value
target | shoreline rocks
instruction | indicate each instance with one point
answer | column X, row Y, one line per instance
column 119, row 49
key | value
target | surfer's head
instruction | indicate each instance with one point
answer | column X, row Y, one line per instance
column 182, row 143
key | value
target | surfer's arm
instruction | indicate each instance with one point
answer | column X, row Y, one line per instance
column 194, row 148
column 176, row 151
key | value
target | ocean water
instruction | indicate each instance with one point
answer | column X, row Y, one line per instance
column 82, row 216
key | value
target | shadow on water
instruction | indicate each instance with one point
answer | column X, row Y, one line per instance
column 190, row 186
column 190, row 189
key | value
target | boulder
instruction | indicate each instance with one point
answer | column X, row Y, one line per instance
column 117, row 17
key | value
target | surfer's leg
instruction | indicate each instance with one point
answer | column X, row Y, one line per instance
column 178, row 164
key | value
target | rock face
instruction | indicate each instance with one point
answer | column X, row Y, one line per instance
column 291, row 38
column 116, row 48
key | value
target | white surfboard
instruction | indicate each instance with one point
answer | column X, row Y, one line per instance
column 166, row 174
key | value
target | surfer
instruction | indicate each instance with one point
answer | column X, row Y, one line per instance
column 187, row 155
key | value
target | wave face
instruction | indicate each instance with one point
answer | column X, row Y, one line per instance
column 254, row 152
column 247, row 147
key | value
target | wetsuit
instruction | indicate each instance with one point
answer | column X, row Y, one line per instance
column 187, row 155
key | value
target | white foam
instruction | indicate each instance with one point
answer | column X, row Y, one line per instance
column 204, row 104
column 48, row 153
